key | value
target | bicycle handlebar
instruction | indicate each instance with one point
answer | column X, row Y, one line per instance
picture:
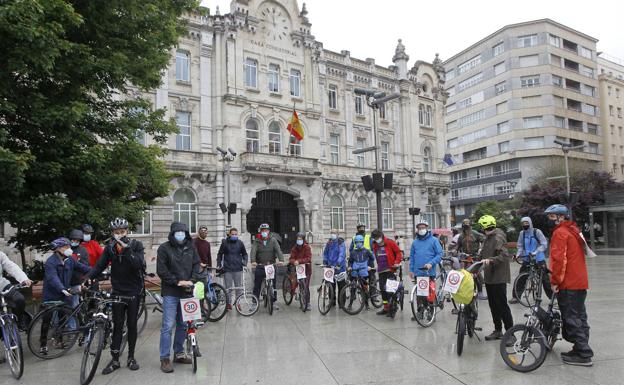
column 12, row 287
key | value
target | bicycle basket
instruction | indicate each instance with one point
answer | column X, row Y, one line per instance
column 465, row 293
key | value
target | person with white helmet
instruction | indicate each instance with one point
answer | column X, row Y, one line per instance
column 426, row 252
column 265, row 250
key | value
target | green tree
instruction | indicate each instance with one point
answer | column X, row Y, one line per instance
column 504, row 212
column 68, row 153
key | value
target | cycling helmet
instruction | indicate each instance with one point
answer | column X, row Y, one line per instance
column 264, row 226
column 119, row 223
column 59, row 242
column 76, row 234
column 487, row 222
column 360, row 224
column 358, row 238
column 87, row 228
column 557, row 209
column 422, row 222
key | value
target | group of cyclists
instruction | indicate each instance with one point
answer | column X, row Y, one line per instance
column 77, row 260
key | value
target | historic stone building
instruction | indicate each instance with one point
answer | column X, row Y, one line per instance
column 233, row 82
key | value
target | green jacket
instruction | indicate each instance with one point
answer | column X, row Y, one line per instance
column 498, row 271
column 266, row 252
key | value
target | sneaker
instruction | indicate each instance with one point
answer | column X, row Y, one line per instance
column 513, row 301
column 568, row 354
column 454, row 311
column 482, row 296
column 182, row 358
column 308, row 307
column 165, row 365
column 132, row 364
column 383, row 312
column 577, row 360
column 43, row 350
column 111, row 367
column 229, row 307
column 496, row 335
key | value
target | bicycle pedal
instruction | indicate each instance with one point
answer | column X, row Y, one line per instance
column 199, row 324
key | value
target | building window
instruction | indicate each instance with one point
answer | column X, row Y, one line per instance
column 468, row 65
column 387, row 214
column 610, row 110
column 183, row 65
column 476, row 79
column 500, row 88
column 529, row 61
column 295, row 83
column 554, row 41
column 532, row 122
column 424, row 115
column 586, row 52
column 529, row 81
column 619, row 111
column 450, row 108
column 503, row 127
column 617, row 93
column 144, row 226
column 427, row 159
column 527, row 41
column 363, row 212
column 608, row 90
column 534, row 143
column 275, row 139
column 557, row 81
column 334, row 148
column 503, row 147
column 251, row 73
column 183, row 139
column 559, row 122
column 382, row 111
column 587, row 71
column 253, row 136
column 294, row 146
column 555, row 60
column 332, row 97
column 588, row 90
column 498, row 49
column 273, row 77
column 589, row 109
column 336, row 212
column 361, row 157
column 592, row 129
column 185, row 208
column 592, row 148
column 385, row 153
column 359, row 105
column 430, row 216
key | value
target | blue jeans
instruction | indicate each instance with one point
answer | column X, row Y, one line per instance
column 74, row 300
column 172, row 316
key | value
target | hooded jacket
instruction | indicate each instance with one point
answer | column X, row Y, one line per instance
column 498, row 271
column 266, row 251
column 424, row 250
column 532, row 241
column 303, row 255
column 567, row 258
column 58, row 274
column 335, row 254
column 232, row 255
column 127, row 267
column 177, row 262
column 12, row 269
column 360, row 260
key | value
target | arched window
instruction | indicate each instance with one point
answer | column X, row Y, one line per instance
column 294, row 147
column 427, row 159
column 387, row 214
column 275, row 138
column 428, row 114
column 421, row 114
column 363, row 213
column 253, row 136
column 185, row 208
column 336, row 212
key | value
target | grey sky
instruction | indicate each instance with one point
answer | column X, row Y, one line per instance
column 370, row 28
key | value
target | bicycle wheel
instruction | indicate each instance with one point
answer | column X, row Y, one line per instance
column 352, row 297
column 195, row 355
column 270, row 297
column 523, row 349
column 216, row 298
column 375, row 296
column 287, row 290
column 461, row 331
column 425, row 313
column 393, row 305
column 247, row 304
column 303, row 302
column 531, row 292
column 92, row 352
column 325, row 298
column 142, row 318
column 51, row 334
column 13, row 347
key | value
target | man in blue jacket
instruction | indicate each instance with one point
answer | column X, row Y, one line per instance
column 531, row 244
column 334, row 254
column 426, row 252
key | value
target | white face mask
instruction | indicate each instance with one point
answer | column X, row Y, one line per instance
column 87, row 237
column 334, row 236
column 117, row 236
column 422, row 232
column 68, row 252
column 379, row 240
column 265, row 234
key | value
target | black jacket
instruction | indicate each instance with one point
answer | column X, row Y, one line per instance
column 82, row 256
column 126, row 267
column 232, row 255
column 177, row 262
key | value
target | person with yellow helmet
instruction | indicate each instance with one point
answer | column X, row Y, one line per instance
column 497, row 275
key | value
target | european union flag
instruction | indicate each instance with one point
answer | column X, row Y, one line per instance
column 448, row 159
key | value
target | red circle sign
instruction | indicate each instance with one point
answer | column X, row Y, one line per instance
column 190, row 307
column 329, row 274
column 423, row 284
column 454, row 278
column 300, row 269
column 269, row 269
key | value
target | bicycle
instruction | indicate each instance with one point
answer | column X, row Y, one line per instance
column 396, row 290
column 189, row 307
column 11, row 339
column 423, row 309
column 214, row 304
column 290, row 284
column 98, row 334
column 360, row 291
column 468, row 313
column 541, row 331
column 154, row 296
column 246, row 303
column 268, row 293
column 326, row 292
column 532, row 280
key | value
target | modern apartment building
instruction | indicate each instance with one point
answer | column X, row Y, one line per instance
column 511, row 95
column 611, row 85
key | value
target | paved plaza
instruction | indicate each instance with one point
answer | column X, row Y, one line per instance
column 295, row 348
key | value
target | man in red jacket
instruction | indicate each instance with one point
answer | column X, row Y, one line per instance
column 388, row 256
column 301, row 254
column 569, row 280
column 93, row 247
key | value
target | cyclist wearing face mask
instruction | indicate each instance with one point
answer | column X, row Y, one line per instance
column 426, row 252
column 360, row 261
column 126, row 259
column 265, row 250
column 301, row 253
column 469, row 242
column 388, row 256
column 93, row 246
column 361, row 230
column 335, row 254
column 231, row 257
column 81, row 255
column 178, row 267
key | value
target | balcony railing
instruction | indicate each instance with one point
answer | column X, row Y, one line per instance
column 486, row 175
column 253, row 161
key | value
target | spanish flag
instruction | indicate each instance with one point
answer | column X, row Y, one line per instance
column 294, row 127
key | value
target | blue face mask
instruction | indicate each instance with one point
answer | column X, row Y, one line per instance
column 74, row 244
column 234, row 237
column 300, row 242
column 179, row 236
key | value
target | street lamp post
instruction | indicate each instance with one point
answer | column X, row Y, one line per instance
column 227, row 157
column 412, row 174
column 375, row 99
column 566, row 148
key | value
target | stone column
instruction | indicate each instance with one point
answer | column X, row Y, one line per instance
column 243, row 221
column 205, row 91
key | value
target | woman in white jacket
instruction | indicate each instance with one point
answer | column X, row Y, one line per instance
column 15, row 299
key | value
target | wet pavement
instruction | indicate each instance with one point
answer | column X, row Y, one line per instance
column 291, row 347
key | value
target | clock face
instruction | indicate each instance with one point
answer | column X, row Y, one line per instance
column 276, row 25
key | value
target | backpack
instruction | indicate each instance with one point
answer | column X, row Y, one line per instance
column 465, row 293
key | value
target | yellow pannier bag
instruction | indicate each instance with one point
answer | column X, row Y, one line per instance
column 465, row 293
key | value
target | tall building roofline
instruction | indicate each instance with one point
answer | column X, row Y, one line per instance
column 518, row 25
